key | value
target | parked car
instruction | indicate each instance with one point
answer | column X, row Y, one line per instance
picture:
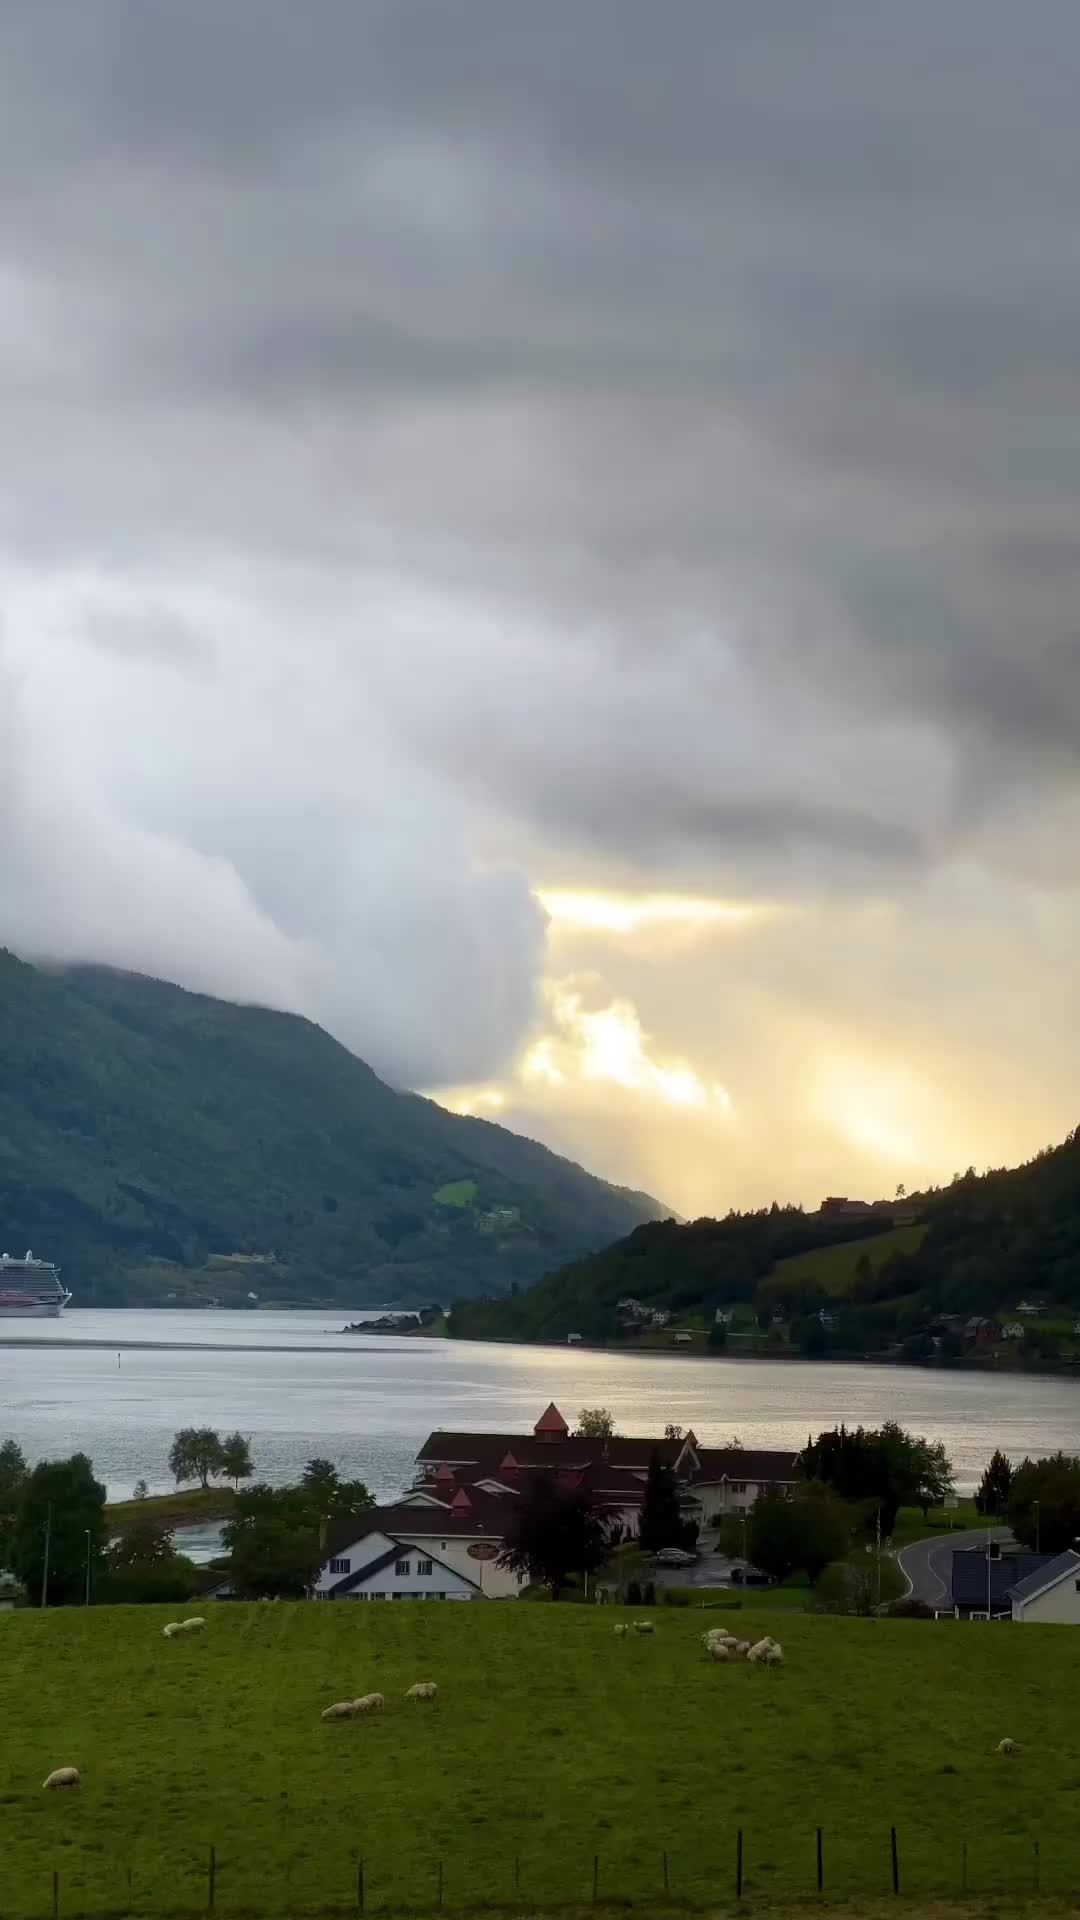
column 750, row 1577
column 674, row 1557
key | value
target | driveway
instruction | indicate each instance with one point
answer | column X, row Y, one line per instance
column 927, row 1564
column 708, row 1570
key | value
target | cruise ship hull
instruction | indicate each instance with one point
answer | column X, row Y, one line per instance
column 32, row 1309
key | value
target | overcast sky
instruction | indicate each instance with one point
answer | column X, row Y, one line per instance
column 546, row 537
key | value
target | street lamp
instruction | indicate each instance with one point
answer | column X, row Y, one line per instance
column 87, row 1566
column 1035, row 1504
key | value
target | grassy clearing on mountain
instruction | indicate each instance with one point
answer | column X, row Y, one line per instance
column 552, row 1743
column 834, row 1267
column 456, row 1193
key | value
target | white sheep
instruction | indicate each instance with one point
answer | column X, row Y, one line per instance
column 341, row 1710
column 644, row 1626
column 773, row 1657
column 62, row 1778
column 742, row 1648
column 369, row 1703
column 759, row 1649
column 194, row 1625
column 719, row 1650
column 422, row 1690
column 1003, row 1746
column 718, row 1637
column 170, row 1632
column 621, row 1630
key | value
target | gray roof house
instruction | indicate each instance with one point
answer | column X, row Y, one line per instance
column 1051, row 1594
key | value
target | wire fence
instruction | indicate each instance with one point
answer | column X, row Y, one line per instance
column 736, row 1867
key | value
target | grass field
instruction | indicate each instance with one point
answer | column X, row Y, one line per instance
column 834, row 1267
column 184, row 1508
column 551, row 1743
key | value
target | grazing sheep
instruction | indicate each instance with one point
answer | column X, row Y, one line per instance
column 719, row 1650
column 341, row 1710
column 773, row 1657
column 170, row 1632
column 621, row 1630
column 422, row 1690
column 61, row 1778
column 369, row 1703
column 742, row 1648
column 194, row 1625
column 1003, row 1746
column 644, row 1626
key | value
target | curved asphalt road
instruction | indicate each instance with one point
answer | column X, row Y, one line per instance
column 927, row 1564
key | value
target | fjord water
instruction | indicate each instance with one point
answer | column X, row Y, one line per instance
column 118, row 1384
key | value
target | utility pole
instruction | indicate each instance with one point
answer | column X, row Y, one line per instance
column 1037, row 1535
column 45, row 1566
column 87, row 1566
column 877, row 1531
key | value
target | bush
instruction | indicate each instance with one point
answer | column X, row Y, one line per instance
column 853, row 1586
column 633, row 1593
column 675, row 1597
column 648, row 1594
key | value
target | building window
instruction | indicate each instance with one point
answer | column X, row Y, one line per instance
column 402, row 1567
column 376, row 1596
column 341, row 1566
column 738, row 1486
column 423, row 1567
column 1078, row 1586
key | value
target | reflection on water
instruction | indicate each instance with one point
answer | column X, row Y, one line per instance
column 299, row 1387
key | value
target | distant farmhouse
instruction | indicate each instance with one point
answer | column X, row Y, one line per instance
column 441, row 1539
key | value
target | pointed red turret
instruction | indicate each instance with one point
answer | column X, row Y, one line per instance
column 444, row 1477
column 508, row 1464
column 551, row 1425
column 461, row 1502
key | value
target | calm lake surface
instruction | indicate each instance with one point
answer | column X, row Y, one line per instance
column 118, row 1384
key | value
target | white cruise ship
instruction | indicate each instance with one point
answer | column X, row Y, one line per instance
column 30, row 1289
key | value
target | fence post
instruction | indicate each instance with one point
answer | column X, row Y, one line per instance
column 211, row 1888
column 595, row 1876
column 55, row 1894
column 360, row 1885
column 820, row 1863
column 665, row 1868
column 895, row 1861
column 738, row 1865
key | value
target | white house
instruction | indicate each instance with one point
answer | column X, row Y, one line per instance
column 444, row 1548
column 1052, row 1595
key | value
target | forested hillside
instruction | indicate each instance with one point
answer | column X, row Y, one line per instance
column 986, row 1249
column 158, row 1143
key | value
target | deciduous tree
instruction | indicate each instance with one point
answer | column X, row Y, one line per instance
column 61, row 1499
column 595, row 1423
column 554, row 1533
column 195, row 1454
column 236, row 1463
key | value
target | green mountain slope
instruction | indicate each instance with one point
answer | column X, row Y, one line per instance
column 812, row 1282
column 157, row 1142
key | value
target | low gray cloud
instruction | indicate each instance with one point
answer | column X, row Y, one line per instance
column 603, row 442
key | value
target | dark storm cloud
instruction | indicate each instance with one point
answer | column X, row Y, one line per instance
column 659, row 423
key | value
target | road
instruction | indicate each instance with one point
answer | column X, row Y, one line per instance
column 927, row 1564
